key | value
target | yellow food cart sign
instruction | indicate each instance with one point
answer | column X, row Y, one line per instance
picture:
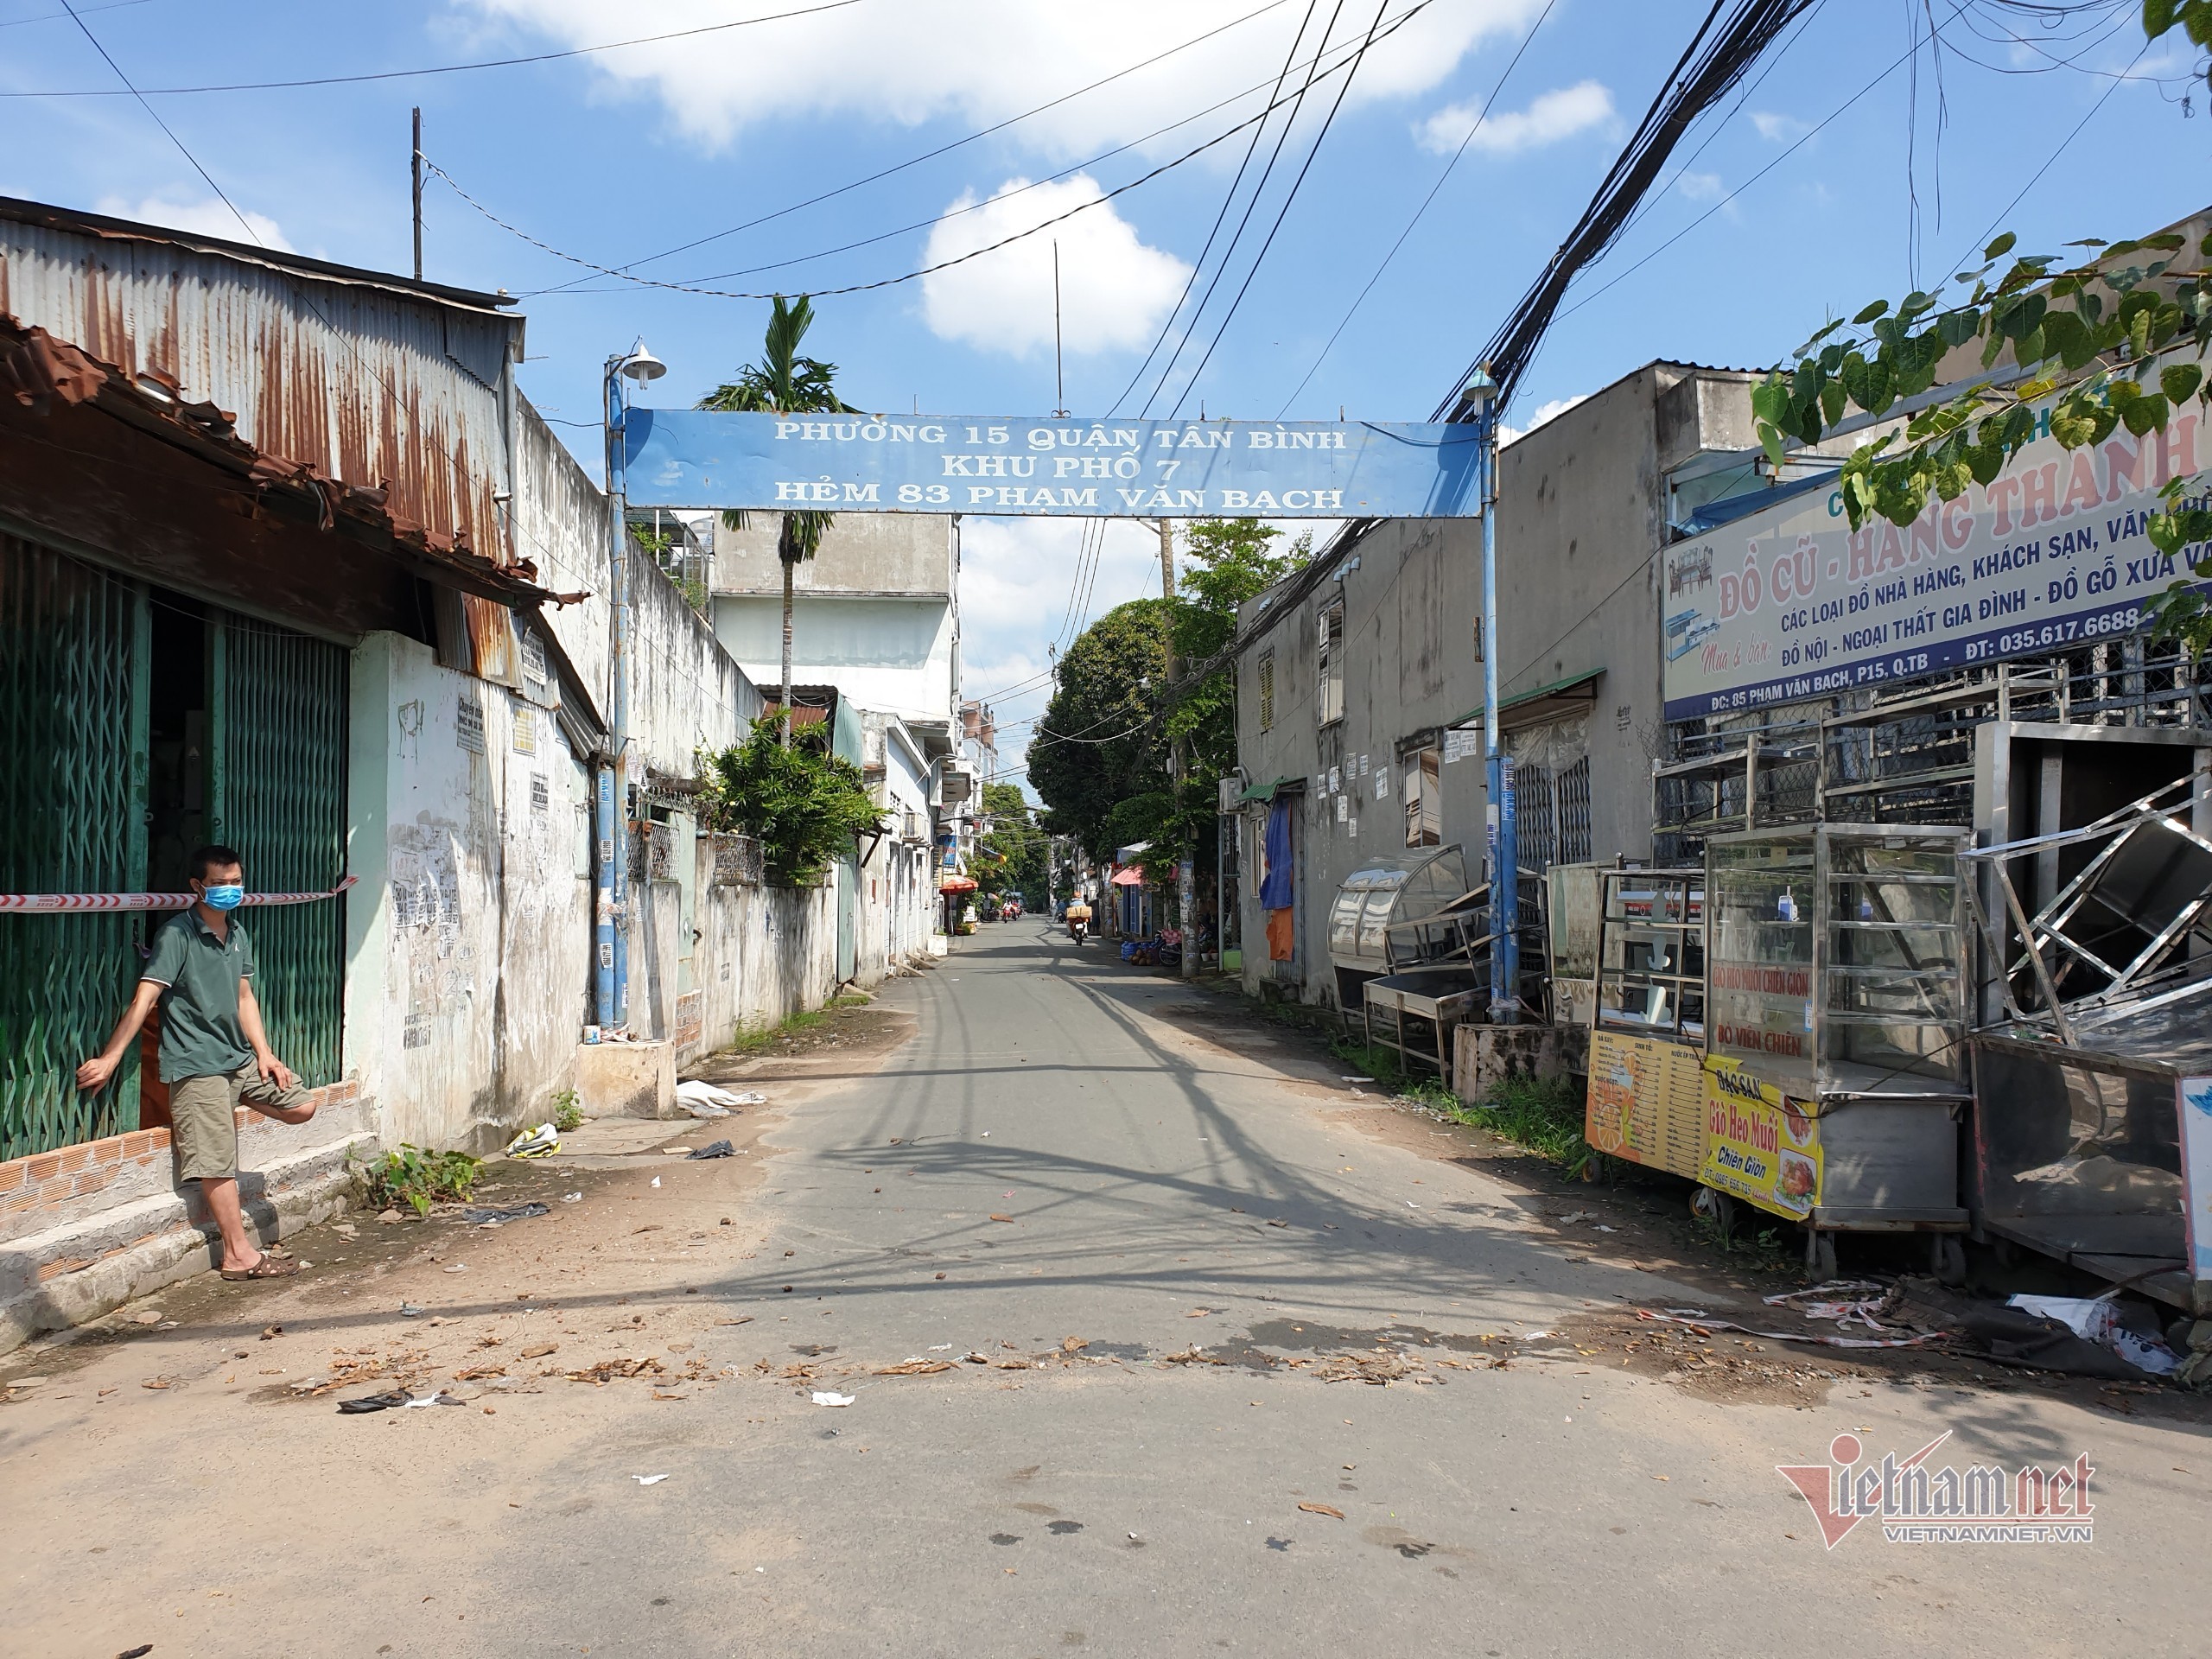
column 1646, row 1102
column 1759, row 1145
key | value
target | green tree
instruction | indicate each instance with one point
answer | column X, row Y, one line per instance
column 784, row 382
column 804, row 803
column 2084, row 338
column 1011, row 856
column 1101, row 742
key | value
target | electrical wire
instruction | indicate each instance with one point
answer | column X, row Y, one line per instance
column 410, row 74
column 944, row 148
column 623, row 275
column 1227, row 201
column 1714, row 61
column 1250, row 206
column 1360, row 298
column 1260, row 258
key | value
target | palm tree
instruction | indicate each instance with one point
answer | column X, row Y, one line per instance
column 784, row 382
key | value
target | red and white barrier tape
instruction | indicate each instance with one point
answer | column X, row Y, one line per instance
column 52, row 903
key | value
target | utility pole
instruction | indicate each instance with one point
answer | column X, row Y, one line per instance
column 1187, row 898
column 1503, row 829
column 416, row 164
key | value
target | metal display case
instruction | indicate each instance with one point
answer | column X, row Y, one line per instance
column 1836, row 973
column 2099, row 1151
column 1418, row 882
column 1650, row 955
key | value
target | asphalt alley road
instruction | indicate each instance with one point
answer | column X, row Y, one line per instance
column 1144, row 1237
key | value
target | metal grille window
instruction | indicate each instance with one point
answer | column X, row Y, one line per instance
column 1423, row 799
column 1267, row 690
column 1329, row 683
column 72, row 819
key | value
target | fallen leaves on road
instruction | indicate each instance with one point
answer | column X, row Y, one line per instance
column 1322, row 1509
column 608, row 1370
column 915, row 1368
column 477, row 1373
column 1191, row 1357
column 1073, row 1344
column 1376, row 1369
column 540, row 1350
column 997, row 1217
column 747, row 1319
column 159, row 1383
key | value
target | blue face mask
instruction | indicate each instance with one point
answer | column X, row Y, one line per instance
column 224, row 898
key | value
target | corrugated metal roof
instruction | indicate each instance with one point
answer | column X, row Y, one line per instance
column 374, row 382
column 70, row 218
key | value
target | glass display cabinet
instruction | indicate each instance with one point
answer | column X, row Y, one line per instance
column 1836, row 974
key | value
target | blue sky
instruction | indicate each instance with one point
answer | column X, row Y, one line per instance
column 1765, row 227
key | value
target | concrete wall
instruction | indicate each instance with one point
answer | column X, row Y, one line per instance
column 1582, row 514
column 468, row 939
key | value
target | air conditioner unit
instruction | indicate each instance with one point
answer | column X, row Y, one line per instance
column 1232, row 790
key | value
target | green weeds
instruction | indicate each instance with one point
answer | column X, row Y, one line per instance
column 419, row 1178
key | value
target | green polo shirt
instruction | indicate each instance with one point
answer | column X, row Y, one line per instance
column 200, row 1034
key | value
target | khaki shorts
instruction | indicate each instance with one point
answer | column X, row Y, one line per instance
column 203, row 1122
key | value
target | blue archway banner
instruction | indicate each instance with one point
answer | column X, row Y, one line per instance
column 1066, row 468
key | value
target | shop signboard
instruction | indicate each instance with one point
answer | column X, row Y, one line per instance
column 1646, row 1102
column 1760, row 1145
column 2195, row 1103
column 1790, row 602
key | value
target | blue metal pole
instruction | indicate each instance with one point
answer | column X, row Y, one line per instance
column 610, row 935
column 1503, row 842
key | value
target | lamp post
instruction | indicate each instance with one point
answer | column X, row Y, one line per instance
column 1481, row 398
column 611, row 825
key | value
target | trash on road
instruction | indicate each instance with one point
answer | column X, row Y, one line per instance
column 649, row 1480
column 704, row 1100
column 369, row 1403
column 826, row 1397
column 536, row 1142
column 1697, row 1319
column 270, row 1333
column 714, row 1149
column 408, row 1310
column 656, row 1180
column 572, row 1197
column 456, row 1267
column 498, row 1214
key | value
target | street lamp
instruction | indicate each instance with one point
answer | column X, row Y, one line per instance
column 1479, row 398
column 611, row 814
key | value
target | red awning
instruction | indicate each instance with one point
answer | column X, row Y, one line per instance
column 957, row 884
column 1132, row 877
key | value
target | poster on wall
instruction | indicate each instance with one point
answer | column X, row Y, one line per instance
column 1790, row 602
column 1760, row 1145
column 1646, row 1102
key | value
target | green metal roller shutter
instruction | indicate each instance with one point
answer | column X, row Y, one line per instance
column 72, row 819
column 278, row 790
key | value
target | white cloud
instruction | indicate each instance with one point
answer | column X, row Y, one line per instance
column 1550, row 410
column 1552, row 116
column 979, row 61
column 208, row 218
column 1114, row 289
column 1778, row 128
column 1700, row 186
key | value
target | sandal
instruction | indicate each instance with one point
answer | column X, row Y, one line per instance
column 267, row 1268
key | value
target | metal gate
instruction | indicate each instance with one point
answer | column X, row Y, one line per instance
column 72, row 819
column 76, row 656
column 277, row 792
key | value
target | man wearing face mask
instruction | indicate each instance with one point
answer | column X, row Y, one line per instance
column 214, row 1052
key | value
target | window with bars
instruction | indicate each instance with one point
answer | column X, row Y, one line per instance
column 1267, row 690
column 1328, row 669
column 1424, row 798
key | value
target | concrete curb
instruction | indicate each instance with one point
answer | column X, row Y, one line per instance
column 152, row 1242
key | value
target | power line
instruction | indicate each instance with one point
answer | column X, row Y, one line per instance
column 1250, row 206
column 1361, row 297
column 946, row 149
column 410, row 74
column 623, row 275
column 1227, row 201
column 1260, row 258
column 1713, row 62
